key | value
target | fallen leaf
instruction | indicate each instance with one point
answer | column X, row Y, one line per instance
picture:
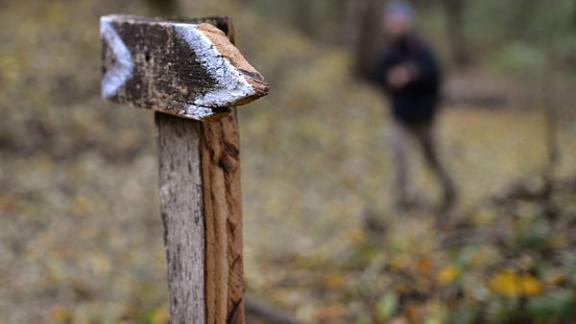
column 511, row 284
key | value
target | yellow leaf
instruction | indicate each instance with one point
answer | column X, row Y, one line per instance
column 159, row 316
column 448, row 275
column 511, row 284
column 334, row 281
column 60, row 314
column 398, row 262
column 531, row 286
column 424, row 265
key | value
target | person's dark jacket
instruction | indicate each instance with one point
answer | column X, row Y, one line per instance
column 418, row 100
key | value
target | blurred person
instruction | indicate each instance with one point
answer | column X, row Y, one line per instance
column 411, row 77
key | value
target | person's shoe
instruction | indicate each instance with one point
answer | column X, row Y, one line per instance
column 449, row 200
column 446, row 209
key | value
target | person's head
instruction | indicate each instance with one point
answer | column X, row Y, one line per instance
column 399, row 19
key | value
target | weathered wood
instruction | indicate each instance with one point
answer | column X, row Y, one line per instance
column 222, row 209
column 183, row 217
column 187, row 68
column 201, row 210
column 217, row 147
column 191, row 69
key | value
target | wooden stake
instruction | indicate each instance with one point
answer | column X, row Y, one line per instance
column 201, row 210
column 191, row 74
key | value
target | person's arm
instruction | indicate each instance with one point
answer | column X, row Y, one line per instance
column 424, row 68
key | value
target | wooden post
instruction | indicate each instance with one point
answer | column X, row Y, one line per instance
column 191, row 74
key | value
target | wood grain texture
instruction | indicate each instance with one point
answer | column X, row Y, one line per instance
column 182, row 211
column 201, row 209
column 188, row 68
column 222, row 207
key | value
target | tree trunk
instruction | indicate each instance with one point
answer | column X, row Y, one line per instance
column 366, row 37
column 303, row 13
column 164, row 8
column 522, row 17
column 574, row 15
column 455, row 24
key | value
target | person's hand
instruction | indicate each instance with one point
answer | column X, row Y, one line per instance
column 400, row 75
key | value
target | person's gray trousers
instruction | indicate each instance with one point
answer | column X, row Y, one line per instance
column 422, row 134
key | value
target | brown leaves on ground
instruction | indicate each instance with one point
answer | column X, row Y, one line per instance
column 81, row 238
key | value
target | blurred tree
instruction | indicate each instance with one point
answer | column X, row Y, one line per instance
column 574, row 15
column 163, row 7
column 522, row 16
column 318, row 19
column 365, row 36
column 305, row 16
column 303, row 13
column 455, row 24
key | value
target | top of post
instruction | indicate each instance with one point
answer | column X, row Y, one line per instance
column 184, row 67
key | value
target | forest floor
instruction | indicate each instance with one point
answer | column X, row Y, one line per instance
column 81, row 238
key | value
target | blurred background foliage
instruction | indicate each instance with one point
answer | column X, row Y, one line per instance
column 80, row 234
